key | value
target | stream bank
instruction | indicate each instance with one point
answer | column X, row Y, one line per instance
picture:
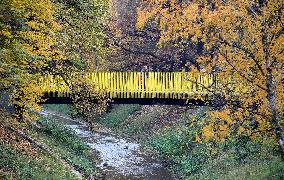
column 120, row 158
column 44, row 150
column 170, row 132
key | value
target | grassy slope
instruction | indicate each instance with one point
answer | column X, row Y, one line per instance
column 64, row 109
column 116, row 118
column 67, row 145
column 17, row 163
column 237, row 159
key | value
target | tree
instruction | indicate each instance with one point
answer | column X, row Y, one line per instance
column 131, row 48
column 243, row 43
column 82, row 40
column 27, row 33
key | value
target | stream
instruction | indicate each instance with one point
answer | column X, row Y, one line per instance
column 120, row 158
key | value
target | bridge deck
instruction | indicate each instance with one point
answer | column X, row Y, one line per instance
column 145, row 87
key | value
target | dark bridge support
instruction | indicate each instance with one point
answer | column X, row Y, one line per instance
column 142, row 101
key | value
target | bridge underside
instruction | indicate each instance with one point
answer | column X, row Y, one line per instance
column 142, row 101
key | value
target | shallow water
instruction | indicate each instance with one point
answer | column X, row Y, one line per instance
column 120, row 158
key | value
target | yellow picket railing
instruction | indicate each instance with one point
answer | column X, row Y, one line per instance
column 174, row 85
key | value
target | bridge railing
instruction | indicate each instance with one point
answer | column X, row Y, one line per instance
column 175, row 85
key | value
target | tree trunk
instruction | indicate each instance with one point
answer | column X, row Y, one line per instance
column 271, row 96
column 271, row 90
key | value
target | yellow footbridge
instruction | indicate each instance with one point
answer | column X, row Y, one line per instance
column 131, row 87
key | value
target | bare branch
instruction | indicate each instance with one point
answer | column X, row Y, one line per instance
column 241, row 74
column 247, row 52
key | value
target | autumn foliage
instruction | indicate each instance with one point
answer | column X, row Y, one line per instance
column 33, row 43
column 88, row 102
column 27, row 45
column 243, row 44
column 240, row 41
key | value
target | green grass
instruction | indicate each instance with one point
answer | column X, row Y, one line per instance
column 117, row 115
column 19, row 166
column 122, row 120
column 234, row 159
column 139, row 126
column 65, row 109
column 15, row 164
column 68, row 145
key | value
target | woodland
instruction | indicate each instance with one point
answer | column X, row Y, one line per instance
column 239, row 136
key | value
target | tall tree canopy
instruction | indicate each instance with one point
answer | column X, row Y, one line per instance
column 131, row 48
column 27, row 39
column 27, row 32
column 82, row 39
column 244, row 44
column 47, row 37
